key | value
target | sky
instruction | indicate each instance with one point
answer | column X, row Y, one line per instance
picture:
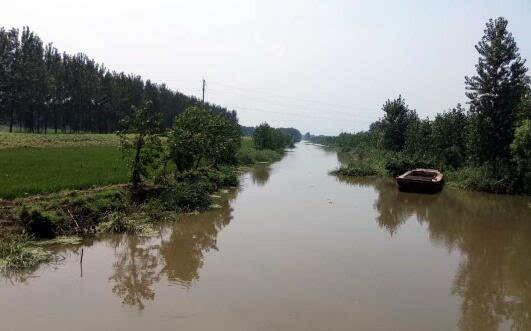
column 321, row 66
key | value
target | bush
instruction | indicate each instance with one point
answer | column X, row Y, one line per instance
column 41, row 224
column 356, row 170
column 186, row 196
column 479, row 179
column 399, row 163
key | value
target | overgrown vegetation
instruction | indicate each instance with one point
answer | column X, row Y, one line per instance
column 17, row 252
column 168, row 172
column 486, row 148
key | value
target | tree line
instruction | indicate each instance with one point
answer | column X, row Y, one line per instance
column 267, row 137
column 490, row 142
column 42, row 89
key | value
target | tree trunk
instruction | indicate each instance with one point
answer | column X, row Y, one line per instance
column 11, row 120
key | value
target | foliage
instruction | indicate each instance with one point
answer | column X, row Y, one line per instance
column 248, row 154
column 141, row 141
column 16, row 253
column 521, row 153
column 266, row 137
column 486, row 149
column 42, row 89
column 73, row 213
column 361, row 169
column 495, row 93
column 401, row 163
column 449, row 137
column 200, row 137
column 395, row 123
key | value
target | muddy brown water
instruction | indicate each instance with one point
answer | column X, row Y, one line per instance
column 297, row 249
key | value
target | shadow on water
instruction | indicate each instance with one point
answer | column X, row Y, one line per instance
column 492, row 233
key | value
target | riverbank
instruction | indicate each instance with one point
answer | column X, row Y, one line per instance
column 375, row 162
column 354, row 242
column 68, row 191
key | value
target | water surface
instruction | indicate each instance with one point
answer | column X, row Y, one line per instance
column 297, row 249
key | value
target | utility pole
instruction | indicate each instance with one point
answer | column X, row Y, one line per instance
column 204, row 85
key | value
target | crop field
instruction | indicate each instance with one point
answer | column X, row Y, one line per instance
column 26, row 140
column 26, row 171
column 38, row 163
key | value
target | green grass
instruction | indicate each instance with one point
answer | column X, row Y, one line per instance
column 25, row 140
column 27, row 171
column 36, row 163
column 16, row 252
column 248, row 154
column 360, row 169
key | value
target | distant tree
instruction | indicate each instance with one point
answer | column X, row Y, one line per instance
column 140, row 141
column 266, row 137
column 292, row 133
column 247, row 130
column 42, row 88
column 395, row 122
column 262, row 136
column 494, row 94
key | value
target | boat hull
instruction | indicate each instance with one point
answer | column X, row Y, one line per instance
column 405, row 185
column 420, row 180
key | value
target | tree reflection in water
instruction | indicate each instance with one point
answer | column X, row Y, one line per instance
column 141, row 262
column 135, row 270
column 192, row 237
column 492, row 232
column 260, row 174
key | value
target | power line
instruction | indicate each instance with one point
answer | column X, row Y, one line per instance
column 257, row 91
column 283, row 104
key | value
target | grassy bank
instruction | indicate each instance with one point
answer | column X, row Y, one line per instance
column 27, row 171
column 74, row 185
column 36, row 164
column 374, row 162
column 249, row 154
column 110, row 209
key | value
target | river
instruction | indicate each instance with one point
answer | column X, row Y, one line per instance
column 297, row 249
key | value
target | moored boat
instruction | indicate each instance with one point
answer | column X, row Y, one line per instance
column 421, row 180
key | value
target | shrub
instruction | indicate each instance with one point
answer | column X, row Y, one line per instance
column 186, row 196
column 398, row 164
column 41, row 224
column 356, row 170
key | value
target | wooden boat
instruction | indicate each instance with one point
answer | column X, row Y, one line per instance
column 421, row 180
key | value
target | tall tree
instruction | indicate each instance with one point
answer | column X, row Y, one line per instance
column 495, row 93
column 8, row 48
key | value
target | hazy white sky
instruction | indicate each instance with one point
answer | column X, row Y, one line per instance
column 320, row 66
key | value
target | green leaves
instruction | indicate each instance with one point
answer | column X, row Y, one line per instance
column 201, row 137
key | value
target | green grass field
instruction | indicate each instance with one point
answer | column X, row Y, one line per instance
column 14, row 140
column 27, row 171
column 38, row 163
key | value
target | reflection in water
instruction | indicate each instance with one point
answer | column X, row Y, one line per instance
column 260, row 174
column 492, row 232
column 134, row 270
column 141, row 262
column 191, row 238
